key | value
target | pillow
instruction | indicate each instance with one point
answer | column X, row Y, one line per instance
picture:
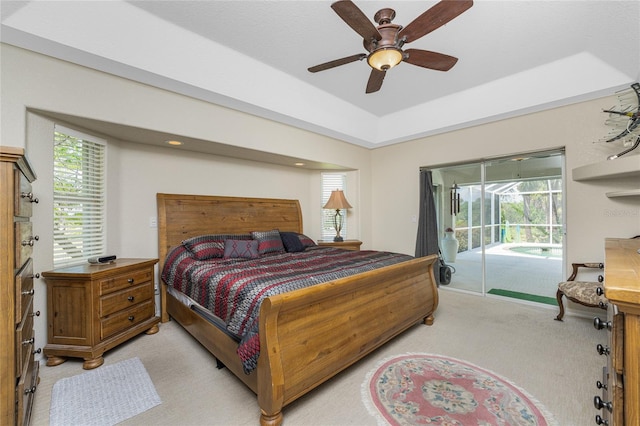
column 268, row 241
column 205, row 247
column 241, row 249
column 291, row 242
column 306, row 241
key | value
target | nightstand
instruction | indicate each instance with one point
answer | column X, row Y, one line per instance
column 346, row 244
column 94, row 308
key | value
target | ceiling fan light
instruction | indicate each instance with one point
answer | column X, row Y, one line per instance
column 383, row 59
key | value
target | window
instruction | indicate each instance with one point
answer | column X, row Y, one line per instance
column 331, row 182
column 79, row 198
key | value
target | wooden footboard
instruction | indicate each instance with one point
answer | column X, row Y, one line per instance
column 308, row 336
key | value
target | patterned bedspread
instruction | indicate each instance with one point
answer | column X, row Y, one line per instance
column 233, row 289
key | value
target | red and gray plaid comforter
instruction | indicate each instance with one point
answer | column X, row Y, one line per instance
column 233, row 289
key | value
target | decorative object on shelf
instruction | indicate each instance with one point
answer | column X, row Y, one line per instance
column 455, row 199
column 337, row 202
column 625, row 121
column 449, row 245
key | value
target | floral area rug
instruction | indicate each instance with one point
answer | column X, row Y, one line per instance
column 427, row 389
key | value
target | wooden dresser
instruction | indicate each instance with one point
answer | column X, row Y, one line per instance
column 93, row 308
column 619, row 402
column 18, row 369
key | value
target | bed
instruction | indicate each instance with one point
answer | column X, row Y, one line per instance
column 307, row 335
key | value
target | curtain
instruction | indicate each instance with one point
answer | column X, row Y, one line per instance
column 427, row 240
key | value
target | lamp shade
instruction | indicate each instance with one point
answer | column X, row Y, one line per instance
column 385, row 58
column 337, row 201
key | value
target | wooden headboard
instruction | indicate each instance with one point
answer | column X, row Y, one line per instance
column 182, row 216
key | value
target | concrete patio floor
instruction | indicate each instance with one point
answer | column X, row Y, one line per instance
column 507, row 270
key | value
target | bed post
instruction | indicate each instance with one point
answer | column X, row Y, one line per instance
column 270, row 371
column 162, row 253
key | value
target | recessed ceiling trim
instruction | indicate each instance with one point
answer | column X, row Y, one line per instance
column 114, row 35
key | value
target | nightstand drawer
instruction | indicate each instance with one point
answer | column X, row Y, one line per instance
column 123, row 320
column 125, row 280
column 123, row 299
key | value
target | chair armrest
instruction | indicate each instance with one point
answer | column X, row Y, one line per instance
column 576, row 266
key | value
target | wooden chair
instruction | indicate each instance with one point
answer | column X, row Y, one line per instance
column 586, row 293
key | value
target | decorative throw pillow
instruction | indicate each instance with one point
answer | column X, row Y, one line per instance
column 306, row 241
column 268, row 241
column 291, row 242
column 205, row 247
column 241, row 249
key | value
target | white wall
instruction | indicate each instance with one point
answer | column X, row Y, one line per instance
column 386, row 179
column 136, row 172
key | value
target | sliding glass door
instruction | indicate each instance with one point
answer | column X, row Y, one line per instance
column 507, row 218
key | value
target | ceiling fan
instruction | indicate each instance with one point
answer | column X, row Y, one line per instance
column 384, row 42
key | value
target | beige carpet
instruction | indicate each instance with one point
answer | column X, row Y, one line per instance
column 556, row 362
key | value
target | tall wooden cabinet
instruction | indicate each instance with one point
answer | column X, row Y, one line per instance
column 619, row 401
column 18, row 369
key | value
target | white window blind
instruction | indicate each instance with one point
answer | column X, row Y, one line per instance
column 331, row 182
column 79, row 197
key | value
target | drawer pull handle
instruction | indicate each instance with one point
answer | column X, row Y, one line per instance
column 35, row 314
column 31, row 241
column 130, row 298
column 601, row 385
column 29, row 342
column 599, row 291
column 130, row 280
column 601, row 421
column 599, row 324
column 28, row 293
column 600, row 404
column 600, row 278
column 34, row 276
column 30, row 196
column 603, row 350
column 32, row 389
column 131, row 318
column 37, row 351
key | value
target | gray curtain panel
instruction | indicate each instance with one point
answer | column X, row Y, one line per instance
column 427, row 240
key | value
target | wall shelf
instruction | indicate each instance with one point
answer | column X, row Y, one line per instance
column 627, row 193
column 623, row 167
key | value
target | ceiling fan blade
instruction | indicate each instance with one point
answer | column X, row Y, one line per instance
column 356, row 19
column 434, row 18
column 427, row 59
column 375, row 80
column 337, row 62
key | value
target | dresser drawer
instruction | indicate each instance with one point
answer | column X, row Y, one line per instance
column 123, row 299
column 617, row 343
column 23, row 196
column 25, row 391
column 123, row 320
column 127, row 280
column 24, row 289
column 24, row 339
column 24, row 242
